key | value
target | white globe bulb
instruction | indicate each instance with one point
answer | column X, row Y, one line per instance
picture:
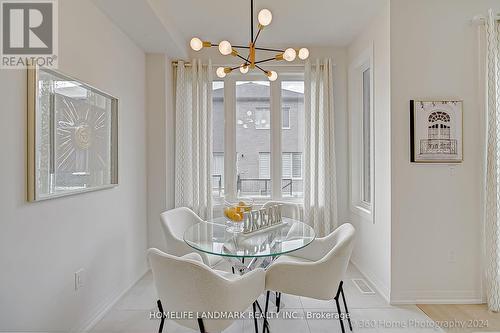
column 220, row 72
column 244, row 69
column 225, row 47
column 272, row 76
column 196, row 44
column 303, row 53
column 289, row 54
column 265, row 17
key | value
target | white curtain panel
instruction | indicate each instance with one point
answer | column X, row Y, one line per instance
column 492, row 214
column 193, row 137
column 320, row 186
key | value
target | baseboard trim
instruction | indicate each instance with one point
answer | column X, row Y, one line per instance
column 383, row 291
column 437, row 297
column 104, row 308
column 438, row 301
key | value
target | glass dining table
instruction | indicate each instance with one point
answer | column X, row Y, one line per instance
column 246, row 252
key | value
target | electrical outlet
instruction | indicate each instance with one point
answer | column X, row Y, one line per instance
column 79, row 279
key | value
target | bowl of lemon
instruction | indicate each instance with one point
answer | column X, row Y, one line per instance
column 234, row 212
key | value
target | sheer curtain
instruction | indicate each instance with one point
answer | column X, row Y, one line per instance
column 193, row 137
column 492, row 215
column 320, row 185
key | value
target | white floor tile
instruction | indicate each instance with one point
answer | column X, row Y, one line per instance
column 129, row 321
column 287, row 321
column 332, row 325
column 311, row 303
column 369, row 314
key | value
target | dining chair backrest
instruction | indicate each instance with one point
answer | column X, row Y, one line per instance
column 337, row 254
column 288, row 209
column 187, row 286
column 174, row 223
column 316, row 270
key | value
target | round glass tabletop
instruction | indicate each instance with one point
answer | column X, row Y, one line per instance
column 212, row 237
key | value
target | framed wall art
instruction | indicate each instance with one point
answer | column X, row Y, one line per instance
column 72, row 136
column 436, row 131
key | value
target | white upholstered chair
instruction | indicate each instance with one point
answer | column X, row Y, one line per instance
column 186, row 285
column 315, row 271
column 174, row 223
column 288, row 209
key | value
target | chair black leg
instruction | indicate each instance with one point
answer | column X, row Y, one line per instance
column 201, row 326
column 278, row 301
column 340, row 315
column 255, row 318
column 264, row 326
column 345, row 304
column 160, row 308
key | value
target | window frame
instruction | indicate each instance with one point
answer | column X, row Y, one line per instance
column 275, row 102
column 356, row 113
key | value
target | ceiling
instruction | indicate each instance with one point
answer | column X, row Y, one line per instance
column 168, row 25
column 295, row 22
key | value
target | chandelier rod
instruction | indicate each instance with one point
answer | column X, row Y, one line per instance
column 246, row 61
column 265, row 60
column 251, row 20
column 258, row 33
column 261, row 69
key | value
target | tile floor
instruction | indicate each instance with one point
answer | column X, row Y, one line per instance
column 131, row 314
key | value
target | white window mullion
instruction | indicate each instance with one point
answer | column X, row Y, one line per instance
column 276, row 139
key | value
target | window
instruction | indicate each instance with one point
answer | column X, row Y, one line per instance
column 218, row 173
column 361, row 135
column 264, row 165
column 366, row 136
column 263, row 118
column 261, row 122
column 218, row 140
column 292, row 135
column 292, row 165
column 286, row 118
column 252, row 108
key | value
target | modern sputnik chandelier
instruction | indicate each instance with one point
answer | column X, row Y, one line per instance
column 225, row 48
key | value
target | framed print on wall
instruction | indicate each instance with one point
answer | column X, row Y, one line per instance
column 436, row 131
column 72, row 136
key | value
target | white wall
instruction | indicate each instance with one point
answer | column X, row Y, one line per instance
column 372, row 253
column 436, row 209
column 339, row 58
column 160, row 142
column 42, row 244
